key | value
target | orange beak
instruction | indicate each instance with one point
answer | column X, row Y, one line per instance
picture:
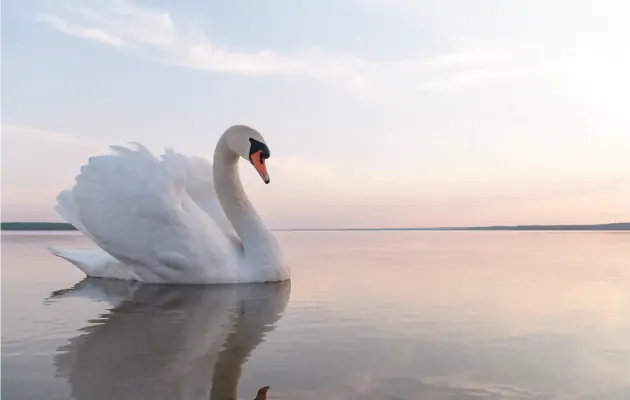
column 259, row 164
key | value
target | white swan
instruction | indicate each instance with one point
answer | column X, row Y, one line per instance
column 174, row 219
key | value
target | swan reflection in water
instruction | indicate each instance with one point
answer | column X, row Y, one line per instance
column 168, row 342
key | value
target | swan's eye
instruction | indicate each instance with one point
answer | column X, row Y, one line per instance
column 256, row 146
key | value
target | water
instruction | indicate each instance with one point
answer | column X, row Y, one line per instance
column 368, row 315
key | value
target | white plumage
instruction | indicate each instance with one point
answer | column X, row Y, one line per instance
column 165, row 220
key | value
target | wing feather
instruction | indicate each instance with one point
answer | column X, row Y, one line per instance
column 137, row 208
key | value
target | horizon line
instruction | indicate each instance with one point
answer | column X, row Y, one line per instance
column 602, row 226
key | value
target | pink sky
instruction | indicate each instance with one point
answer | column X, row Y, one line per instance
column 378, row 114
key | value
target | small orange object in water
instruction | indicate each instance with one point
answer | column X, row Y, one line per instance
column 262, row 393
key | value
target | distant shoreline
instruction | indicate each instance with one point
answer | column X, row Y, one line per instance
column 37, row 226
column 619, row 226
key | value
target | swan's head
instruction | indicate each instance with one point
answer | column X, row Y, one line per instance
column 249, row 144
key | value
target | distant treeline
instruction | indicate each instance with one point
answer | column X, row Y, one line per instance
column 37, row 226
column 619, row 226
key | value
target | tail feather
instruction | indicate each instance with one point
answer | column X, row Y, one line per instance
column 81, row 258
column 95, row 263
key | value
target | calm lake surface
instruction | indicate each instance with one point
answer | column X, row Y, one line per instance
column 367, row 315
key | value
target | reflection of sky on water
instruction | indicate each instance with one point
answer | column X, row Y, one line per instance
column 371, row 316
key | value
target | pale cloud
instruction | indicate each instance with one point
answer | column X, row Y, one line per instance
column 485, row 63
column 155, row 34
column 496, row 73
column 21, row 132
column 343, row 69
column 474, row 57
column 138, row 25
column 85, row 33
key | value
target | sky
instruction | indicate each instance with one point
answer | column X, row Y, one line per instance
column 378, row 113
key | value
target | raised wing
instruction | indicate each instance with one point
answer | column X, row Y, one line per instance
column 137, row 209
column 68, row 210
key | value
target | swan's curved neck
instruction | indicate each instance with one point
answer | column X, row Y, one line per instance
column 258, row 243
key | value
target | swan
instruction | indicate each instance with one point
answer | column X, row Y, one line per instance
column 168, row 341
column 173, row 219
